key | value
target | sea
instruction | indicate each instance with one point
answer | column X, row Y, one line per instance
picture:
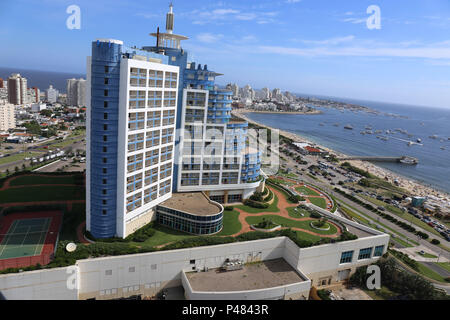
column 42, row 79
column 421, row 123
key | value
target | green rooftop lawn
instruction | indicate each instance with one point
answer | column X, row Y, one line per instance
column 43, row 193
column 273, row 207
column 36, row 179
column 231, row 224
column 296, row 213
column 284, row 222
column 430, row 273
column 320, row 202
column 307, row 191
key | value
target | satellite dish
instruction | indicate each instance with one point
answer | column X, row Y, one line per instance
column 71, row 247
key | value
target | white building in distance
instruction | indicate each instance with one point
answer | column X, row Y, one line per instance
column 52, row 94
column 76, row 92
column 7, row 119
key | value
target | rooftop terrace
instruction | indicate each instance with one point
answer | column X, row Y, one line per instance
column 195, row 203
column 266, row 274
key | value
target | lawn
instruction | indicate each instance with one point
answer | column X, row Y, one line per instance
column 296, row 213
column 35, row 179
column 430, row 273
column 273, row 207
column 231, row 224
column 71, row 220
column 307, row 191
column 50, row 193
column 320, row 202
column 19, row 157
column 281, row 181
column 445, row 265
column 284, row 222
column 426, row 255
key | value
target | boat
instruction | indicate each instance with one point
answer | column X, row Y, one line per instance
column 378, row 131
column 433, row 136
column 348, row 127
column 369, row 127
column 384, row 138
column 322, row 124
column 410, row 143
column 442, row 148
column 363, row 132
column 369, row 131
column 419, row 140
column 409, row 160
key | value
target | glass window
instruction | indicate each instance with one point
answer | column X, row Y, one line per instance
column 365, row 253
column 346, row 257
column 378, row 251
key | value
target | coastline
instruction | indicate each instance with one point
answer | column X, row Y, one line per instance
column 415, row 187
column 243, row 111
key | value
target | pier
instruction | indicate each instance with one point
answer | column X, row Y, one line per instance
column 402, row 159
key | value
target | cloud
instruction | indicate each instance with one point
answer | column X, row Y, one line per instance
column 228, row 15
column 355, row 20
column 331, row 41
column 430, row 52
column 209, row 37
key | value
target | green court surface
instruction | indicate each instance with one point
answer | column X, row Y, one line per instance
column 25, row 238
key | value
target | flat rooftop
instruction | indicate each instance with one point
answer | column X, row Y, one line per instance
column 267, row 274
column 195, row 203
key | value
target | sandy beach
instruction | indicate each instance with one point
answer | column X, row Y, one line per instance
column 414, row 187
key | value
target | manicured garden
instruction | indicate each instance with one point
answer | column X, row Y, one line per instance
column 306, row 191
column 284, row 222
column 320, row 202
column 273, row 207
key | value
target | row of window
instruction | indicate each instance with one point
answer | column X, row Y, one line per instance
column 366, row 253
column 139, row 199
column 138, row 78
column 151, row 139
column 155, row 99
column 137, row 121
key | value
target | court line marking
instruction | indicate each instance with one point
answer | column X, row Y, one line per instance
column 8, row 234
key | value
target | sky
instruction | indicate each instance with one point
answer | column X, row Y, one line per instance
column 322, row 47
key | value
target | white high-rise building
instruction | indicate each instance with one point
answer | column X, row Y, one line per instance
column 234, row 88
column 7, row 118
column 131, row 112
column 266, row 94
column 17, row 89
column 76, row 92
column 52, row 94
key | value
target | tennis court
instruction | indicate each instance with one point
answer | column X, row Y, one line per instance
column 24, row 238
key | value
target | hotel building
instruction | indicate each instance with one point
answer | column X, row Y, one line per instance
column 146, row 108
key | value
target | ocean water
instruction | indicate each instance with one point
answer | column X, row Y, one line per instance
column 42, row 79
column 434, row 163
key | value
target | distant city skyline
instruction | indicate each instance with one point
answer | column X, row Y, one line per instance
column 311, row 47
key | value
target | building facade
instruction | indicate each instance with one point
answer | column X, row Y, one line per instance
column 7, row 118
column 52, row 94
column 211, row 149
column 130, row 128
column 17, row 89
column 76, row 92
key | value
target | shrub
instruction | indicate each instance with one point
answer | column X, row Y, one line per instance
column 296, row 198
column 256, row 204
column 435, row 241
column 315, row 215
column 229, row 208
column 257, row 196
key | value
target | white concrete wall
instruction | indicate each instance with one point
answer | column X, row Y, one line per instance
column 38, row 285
column 121, row 276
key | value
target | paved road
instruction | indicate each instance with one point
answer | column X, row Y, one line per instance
column 384, row 221
column 438, row 269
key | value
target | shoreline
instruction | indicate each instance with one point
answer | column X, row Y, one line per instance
column 244, row 111
column 413, row 186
